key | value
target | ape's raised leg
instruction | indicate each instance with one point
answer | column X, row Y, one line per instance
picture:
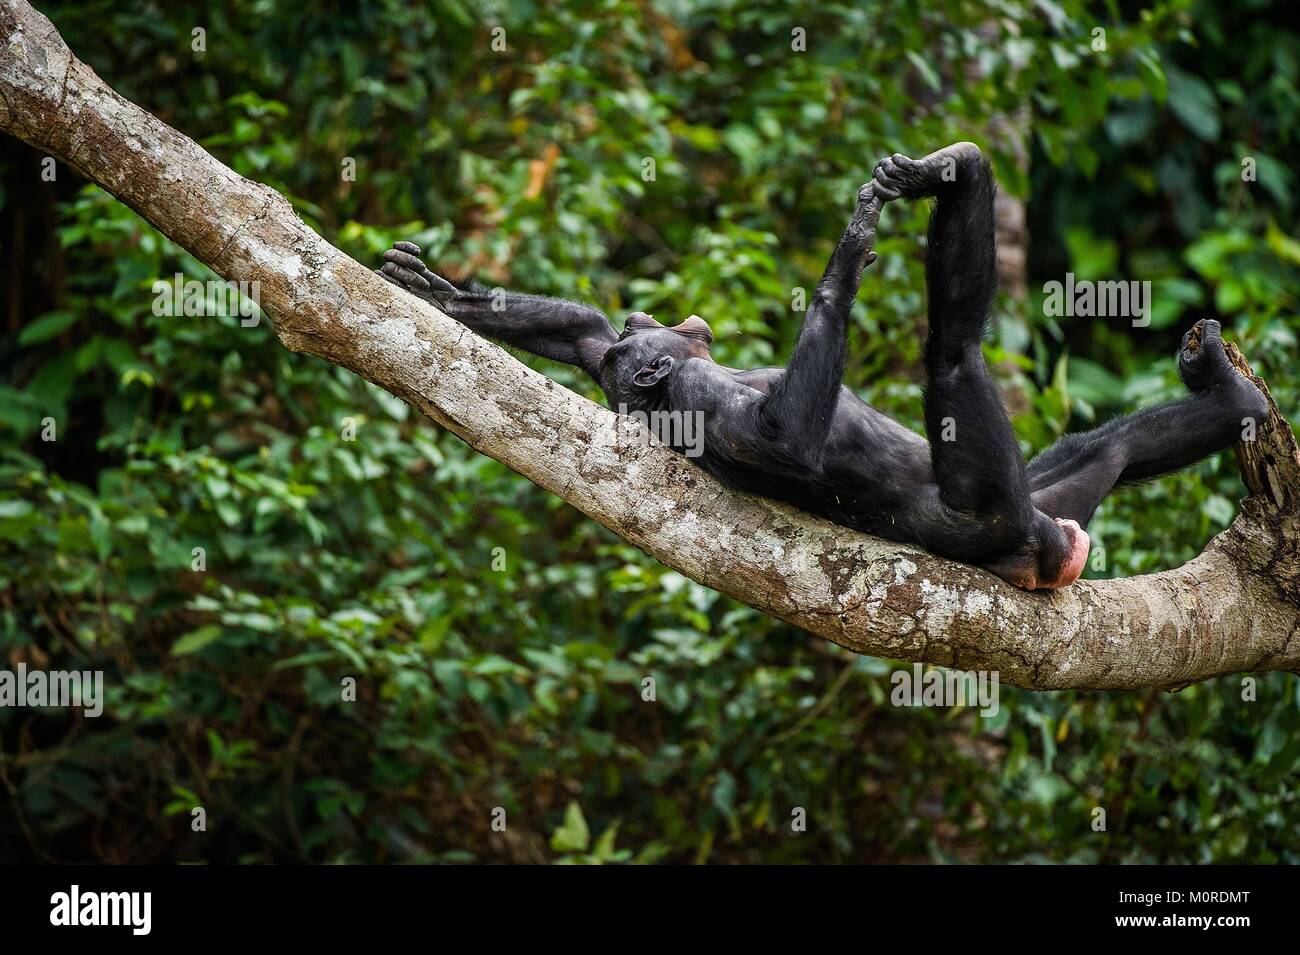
column 1071, row 478
column 984, row 513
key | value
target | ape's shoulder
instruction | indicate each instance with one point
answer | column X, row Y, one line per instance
column 701, row 384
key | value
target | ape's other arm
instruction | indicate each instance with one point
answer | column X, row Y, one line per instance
column 553, row 328
column 798, row 412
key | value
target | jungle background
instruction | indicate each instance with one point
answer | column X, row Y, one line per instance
column 481, row 687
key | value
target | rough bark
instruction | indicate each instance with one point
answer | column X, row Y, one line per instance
column 1234, row 608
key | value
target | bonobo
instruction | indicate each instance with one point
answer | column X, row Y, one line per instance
column 796, row 434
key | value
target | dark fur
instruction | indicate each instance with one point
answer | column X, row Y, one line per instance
column 797, row 435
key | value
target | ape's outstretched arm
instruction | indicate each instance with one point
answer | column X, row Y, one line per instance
column 553, row 328
column 798, row 412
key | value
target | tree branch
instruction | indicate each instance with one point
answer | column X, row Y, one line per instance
column 1234, row 608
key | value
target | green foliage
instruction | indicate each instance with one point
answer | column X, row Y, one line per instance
column 481, row 687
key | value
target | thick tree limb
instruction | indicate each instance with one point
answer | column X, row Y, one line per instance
column 1234, row 608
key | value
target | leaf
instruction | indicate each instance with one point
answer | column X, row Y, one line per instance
column 15, row 508
column 101, row 534
column 1093, row 383
column 928, row 74
column 19, row 410
column 1282, row 245
column 745, row 143
column 1218, row 509
column 1154, row 76
column 723, row 795
column 196, row 640
column 572, row 835
column 605, row 844
column 46, row 327
column 1193, row 102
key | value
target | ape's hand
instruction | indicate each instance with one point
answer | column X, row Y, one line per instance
column 898, row 177
column 402, row 267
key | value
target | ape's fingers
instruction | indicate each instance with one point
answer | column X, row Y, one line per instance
column 405, row 255
column 406, row 260
column 439, row 284
column 404, row 276
column 885, row 190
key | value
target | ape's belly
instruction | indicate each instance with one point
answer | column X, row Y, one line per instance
column 875, row 486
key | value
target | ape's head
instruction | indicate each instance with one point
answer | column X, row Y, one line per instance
column 641, row 363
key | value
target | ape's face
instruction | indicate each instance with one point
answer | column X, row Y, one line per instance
column 646, row 352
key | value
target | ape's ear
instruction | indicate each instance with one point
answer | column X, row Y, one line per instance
column 653, row 373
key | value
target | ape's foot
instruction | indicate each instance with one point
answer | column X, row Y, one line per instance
column 1204, row 366
column 899, row 177
column 865, row 219
column 1202, row 362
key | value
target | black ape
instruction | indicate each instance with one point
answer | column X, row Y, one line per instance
column 796, row 434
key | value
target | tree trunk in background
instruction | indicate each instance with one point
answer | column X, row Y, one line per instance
column 1234, row 608
column 1011, row 133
